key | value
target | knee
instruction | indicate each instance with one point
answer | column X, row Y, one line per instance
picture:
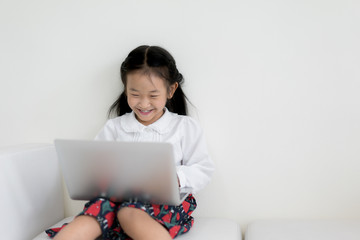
column 129, row 217
column 126, row 214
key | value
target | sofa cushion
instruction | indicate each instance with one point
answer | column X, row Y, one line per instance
column 204, row 228
column 212, row 229
column 303, row 230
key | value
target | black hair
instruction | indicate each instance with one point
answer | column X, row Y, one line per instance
column 158, row 61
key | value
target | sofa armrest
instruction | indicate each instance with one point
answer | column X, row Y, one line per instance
column 31, row 190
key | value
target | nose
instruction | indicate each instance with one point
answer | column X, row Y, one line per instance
column 144, row 102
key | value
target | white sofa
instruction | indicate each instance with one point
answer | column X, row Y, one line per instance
column 303, row 230
column 32, row 197
column 32, row 200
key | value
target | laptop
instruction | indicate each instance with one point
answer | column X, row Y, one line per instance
column 120, row 171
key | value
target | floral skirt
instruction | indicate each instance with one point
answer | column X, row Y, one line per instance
column 176, row 219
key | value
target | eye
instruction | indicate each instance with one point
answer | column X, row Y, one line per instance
column 134, row 95
column 154, row 96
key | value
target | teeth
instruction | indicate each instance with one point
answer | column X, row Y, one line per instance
column 145, row 111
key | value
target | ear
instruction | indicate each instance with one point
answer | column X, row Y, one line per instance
column 172, row 90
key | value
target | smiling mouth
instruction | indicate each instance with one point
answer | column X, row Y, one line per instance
column 145, row 112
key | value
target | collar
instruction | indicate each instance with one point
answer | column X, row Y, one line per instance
column 162, row 125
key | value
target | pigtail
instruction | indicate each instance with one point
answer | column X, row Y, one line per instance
column 178, row 103
column 120, row 106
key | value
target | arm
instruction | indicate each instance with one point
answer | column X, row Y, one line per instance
column 197, row 166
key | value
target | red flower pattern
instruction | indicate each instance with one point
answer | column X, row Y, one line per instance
column 94, row 209
column 174, row 231
column 167, row 218
column 110, row 217
column 156, row 209
column 186, row 206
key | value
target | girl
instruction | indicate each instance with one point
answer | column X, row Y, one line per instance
column 152, row 107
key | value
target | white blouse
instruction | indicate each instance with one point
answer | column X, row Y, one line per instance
column 193, row 164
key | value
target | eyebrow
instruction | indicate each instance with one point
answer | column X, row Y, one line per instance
column 134, row 90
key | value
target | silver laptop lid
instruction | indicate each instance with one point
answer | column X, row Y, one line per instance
column 119, row 170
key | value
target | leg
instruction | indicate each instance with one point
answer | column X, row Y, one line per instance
column 140, row 226
column 83, row 227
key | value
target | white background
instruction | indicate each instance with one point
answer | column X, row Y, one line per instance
column 275, row 84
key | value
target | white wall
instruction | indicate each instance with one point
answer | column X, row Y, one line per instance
column 275, row 83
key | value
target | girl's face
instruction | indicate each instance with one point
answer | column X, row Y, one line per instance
column 147, row 95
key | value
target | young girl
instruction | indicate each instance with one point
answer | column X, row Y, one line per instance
column 152, row 107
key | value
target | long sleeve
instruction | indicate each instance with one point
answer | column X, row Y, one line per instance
column 197, row 166
column 108, row 132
